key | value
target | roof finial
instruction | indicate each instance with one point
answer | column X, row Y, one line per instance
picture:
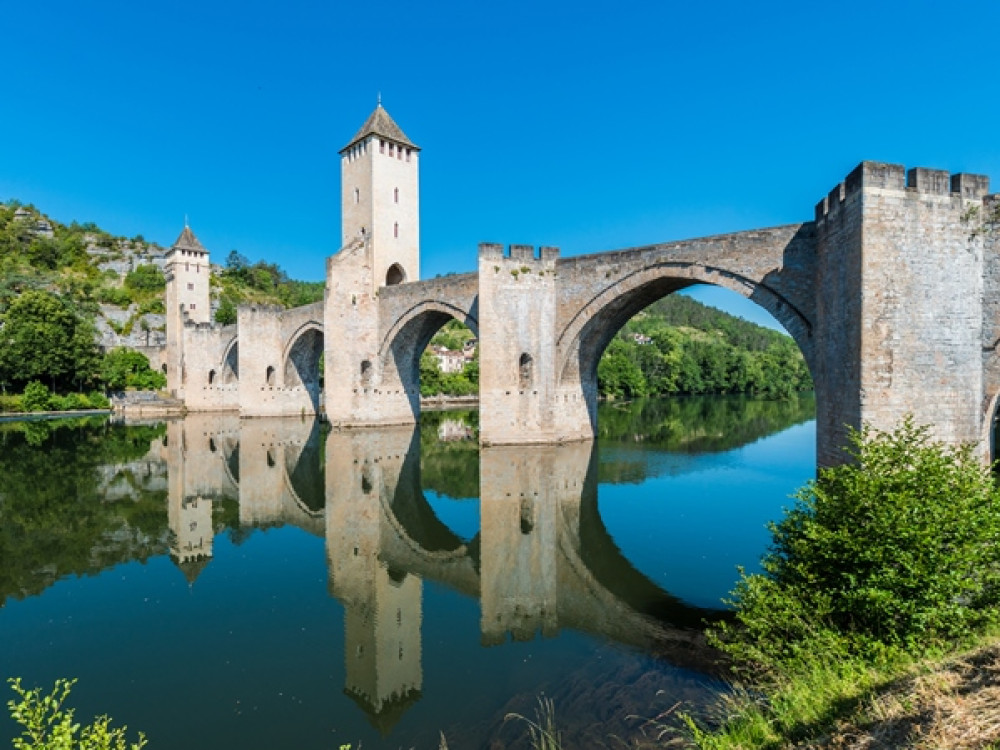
column 186, row 221
column 380, row 98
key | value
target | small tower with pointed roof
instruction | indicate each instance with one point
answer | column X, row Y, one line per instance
column 380, row 201
column 187, row 299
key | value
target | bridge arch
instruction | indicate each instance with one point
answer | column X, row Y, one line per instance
column 405, row 341
column 588, row 332
column 301, row 359
column 230, row 370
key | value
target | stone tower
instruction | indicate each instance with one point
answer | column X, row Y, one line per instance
column 380, row 199
column 380, row 248
column 900, row 318
column 188, row 299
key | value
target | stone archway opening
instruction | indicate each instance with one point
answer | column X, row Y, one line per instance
column 993, row 436
column 304, row 364
column 649, row 341
column 231, row 365
column 395, row 275
column 431, row 355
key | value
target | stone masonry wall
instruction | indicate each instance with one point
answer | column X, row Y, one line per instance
column 905, row 284
column 517, row 360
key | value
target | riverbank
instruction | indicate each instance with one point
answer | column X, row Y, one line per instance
column 32, row 416
column 949, row 702
column 444, row 403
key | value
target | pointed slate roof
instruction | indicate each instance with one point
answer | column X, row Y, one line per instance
column 379, row 123
column 187, row 241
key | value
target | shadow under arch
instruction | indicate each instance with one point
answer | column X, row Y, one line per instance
column 301, row 360
column 404, row 343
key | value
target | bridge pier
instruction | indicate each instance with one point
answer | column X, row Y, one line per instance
column 900, row 311
column 520, row 401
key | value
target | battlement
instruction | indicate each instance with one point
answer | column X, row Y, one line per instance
column 916, row 181
column 521, row 253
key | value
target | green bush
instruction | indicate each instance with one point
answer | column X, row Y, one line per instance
column 896, row 550
column 127, row 368
column 36, row 397
column 117, row 296
column 11, row 402
column 97, row 400
column 147, row 278
column 49, row 725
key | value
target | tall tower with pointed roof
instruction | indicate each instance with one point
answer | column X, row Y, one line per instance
column 188, row 299
column 380, row 201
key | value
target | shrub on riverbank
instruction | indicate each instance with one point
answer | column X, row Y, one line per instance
column 885, row 560
column 38, row 398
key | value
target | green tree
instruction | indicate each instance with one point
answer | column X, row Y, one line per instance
column 225, row 313
column 43, row 338
column 127, row 368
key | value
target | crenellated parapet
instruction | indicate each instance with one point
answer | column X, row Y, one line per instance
column 917, row 181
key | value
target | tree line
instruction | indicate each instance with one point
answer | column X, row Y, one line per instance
column 678, row 346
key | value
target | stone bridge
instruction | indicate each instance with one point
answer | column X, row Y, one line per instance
column 890, row 292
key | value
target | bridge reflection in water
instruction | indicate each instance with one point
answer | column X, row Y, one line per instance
column 542, row 559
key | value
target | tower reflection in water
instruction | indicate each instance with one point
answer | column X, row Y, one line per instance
column 541, row 560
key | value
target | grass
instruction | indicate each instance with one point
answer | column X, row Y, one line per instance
column 845, row 704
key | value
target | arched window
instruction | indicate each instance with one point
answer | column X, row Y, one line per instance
column 366, row 371
column 211, row 377
column 270, row 375
column 395, row 195
column 395, row 230
column 395, row 275
column 357, row 195
column 525, row 371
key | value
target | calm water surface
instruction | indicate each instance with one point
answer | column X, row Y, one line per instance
column 264, row 583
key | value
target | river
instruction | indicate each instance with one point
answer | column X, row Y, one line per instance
column 268, row 583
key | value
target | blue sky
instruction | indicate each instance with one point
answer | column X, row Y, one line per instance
column 584, row 126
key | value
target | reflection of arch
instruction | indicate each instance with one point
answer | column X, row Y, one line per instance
column 305, row 473
column 588, row 333
column 412, row 516
column 395, row 274
column 614, row 572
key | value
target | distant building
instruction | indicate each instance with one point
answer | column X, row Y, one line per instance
column 448, row 360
